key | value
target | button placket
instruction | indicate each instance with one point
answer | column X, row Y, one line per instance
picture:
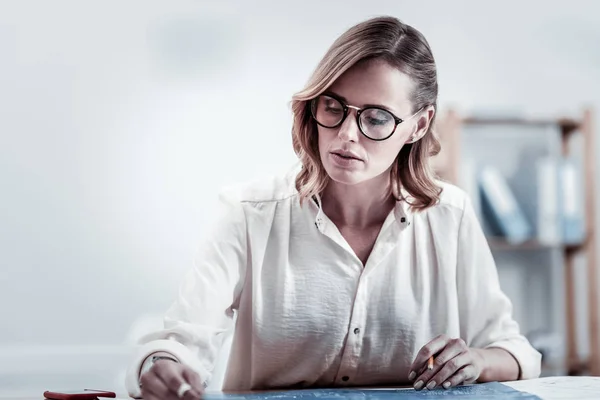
column 353, row 347
column 319, row 222
column 358, row 320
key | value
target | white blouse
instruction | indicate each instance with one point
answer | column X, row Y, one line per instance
column 310, row 314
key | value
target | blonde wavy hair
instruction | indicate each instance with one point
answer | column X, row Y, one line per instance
column 403, row 47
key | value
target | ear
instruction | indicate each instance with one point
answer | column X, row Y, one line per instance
column 422, row 124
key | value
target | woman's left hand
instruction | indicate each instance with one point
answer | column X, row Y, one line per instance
column 454, row 364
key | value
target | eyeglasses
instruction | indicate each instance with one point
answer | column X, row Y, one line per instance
column 375, row 123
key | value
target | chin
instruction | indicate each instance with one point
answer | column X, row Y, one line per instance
column 346, row 176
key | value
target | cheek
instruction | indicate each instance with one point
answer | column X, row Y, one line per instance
column 402, row 135
column 324, row 138
column 385, row 152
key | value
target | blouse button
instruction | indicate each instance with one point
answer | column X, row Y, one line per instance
column 356, row 331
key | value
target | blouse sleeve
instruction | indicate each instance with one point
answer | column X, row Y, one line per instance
column 203, row 311
column 485, row 311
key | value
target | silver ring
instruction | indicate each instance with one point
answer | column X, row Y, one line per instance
column 183, row 389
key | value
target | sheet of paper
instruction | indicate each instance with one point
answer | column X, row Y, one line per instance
column 561, row 387
column 484, row 391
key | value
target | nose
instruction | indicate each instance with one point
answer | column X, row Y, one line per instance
column 349, row 130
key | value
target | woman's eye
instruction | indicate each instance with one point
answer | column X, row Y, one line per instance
column 376, row 117
column 333, row 110
column 376, row 121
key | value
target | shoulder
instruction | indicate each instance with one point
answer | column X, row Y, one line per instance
column 253, row 200
column 266, row 189
column 452, row 204
column 452, row 196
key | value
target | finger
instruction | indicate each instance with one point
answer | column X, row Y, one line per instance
column 449, row 369
column 170, row 373
column 425, row 380
column 193, row 379
column 453, row 348
column 155, row 397
column 430, row 349
column 461, row 376
column 192, row 394
column 419, row 372
column 422, row 370
column 153, row 386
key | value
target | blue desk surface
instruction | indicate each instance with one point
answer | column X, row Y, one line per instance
column 480, row 391
column 549, row 388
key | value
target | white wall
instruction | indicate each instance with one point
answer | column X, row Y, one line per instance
column 119, row 121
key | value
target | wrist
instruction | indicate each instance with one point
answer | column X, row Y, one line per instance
column 496, row 364
column 152, row 359
column 480, row 361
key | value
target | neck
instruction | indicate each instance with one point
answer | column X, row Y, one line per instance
column 358, row 206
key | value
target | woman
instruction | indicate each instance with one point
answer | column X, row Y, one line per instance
column 357, row 268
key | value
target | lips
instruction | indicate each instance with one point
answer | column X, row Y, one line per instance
column 347, row 154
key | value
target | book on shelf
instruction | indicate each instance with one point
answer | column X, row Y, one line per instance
column 500, row 207
column 548, row 218
column 550, row 192
column 468, row 181
column 538, row 188
column 545, row 204
column 571, row 202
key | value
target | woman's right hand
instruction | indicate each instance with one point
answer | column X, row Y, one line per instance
column 163, row 380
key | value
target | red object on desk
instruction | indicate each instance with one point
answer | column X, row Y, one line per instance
column 85, row 394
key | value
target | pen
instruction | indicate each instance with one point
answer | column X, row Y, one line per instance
column 430, row 363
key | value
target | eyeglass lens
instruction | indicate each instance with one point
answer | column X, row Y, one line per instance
column 375, row 123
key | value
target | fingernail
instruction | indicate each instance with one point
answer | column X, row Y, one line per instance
column 412, row 375
column 446, row 385
column 194, row 394
column 431, row 385
column 419, row 385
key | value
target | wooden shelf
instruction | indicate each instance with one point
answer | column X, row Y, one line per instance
column 500, row 243
column 447, row 165
column 573, row 367
column 550, row 368
column 567, row 125
column 520, row 121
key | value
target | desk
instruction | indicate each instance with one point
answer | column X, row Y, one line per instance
column 561, row 387
column 549, row 388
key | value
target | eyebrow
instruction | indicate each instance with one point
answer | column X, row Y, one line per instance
column 364, row 106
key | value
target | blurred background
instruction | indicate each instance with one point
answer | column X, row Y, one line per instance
column 121, row 120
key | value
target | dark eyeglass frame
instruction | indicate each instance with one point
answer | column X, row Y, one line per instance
column 346, row 107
